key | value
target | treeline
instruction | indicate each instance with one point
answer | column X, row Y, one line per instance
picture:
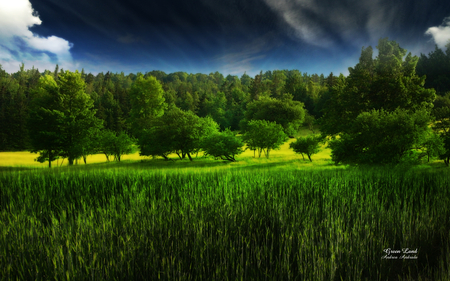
column 224, row 99
column 381, row 98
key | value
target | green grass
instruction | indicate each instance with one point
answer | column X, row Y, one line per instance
column 280, row 218
column 136, row 221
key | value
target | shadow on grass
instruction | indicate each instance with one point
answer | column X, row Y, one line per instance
column 14, row 169
column 201, row 163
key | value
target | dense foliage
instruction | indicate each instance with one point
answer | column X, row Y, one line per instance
column 136, row 103
column 288, row 113
column 62, row 118
column 381, row 111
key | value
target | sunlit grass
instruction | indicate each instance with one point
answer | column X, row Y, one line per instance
column 281, row 218
column 282, row 156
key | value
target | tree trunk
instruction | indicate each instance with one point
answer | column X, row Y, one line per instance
column 70, row 161
column 84, row 159
column 309, row 156
column 189, row 155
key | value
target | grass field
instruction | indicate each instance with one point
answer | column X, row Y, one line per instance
column 257, row 219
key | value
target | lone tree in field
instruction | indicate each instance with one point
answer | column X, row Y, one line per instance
column 62, row 118
column 263, row 136
column 308, row 145
column 381, row 111
column 224, row 145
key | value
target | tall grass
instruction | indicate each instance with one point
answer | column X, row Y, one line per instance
column 225, row 224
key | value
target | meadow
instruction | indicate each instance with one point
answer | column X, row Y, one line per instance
column 281, row 218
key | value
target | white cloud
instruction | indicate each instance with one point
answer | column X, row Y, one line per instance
column 324, row 23
column 239, row 59
column 441, row 34
column 18, row 44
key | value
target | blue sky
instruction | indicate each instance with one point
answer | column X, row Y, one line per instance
column 204, row 36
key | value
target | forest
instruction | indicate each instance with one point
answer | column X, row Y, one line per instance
column 393, row 93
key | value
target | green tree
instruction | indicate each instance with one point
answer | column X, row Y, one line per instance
column 62, row 111
column 224, row 145
column 433, row 145
column 441, row 126
column 381, row 137
column 286, row 112
column 147, row 102
column 123, row 144
column 378, row 91
column 263, row 136
column 308, row 145
column 176, row 131
column 158, row 140
column 106, row 143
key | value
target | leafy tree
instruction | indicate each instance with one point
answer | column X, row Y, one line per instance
column 114, row 144
column 224, row 145
column 62, row 117
column 380, row 137
column 263, row 136
column 106, row 143
column 441, row 127
column 147, row 102
column 308, row 145
column 90, row 144
column 433, row 145
column 176, row 131
column 378, row 92
column 158, row 140
column 124, row 144
column 286, row 112
column 79, row 117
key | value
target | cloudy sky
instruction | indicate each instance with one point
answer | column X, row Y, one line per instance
column 229, row 36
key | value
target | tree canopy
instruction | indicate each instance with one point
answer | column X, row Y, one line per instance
column 380, row 109
column 285, row 112
column 263, row 136
column 62, row 117
column 177, row 131
column 223, row 145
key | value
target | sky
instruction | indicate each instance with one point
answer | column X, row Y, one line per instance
column 204, row 36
